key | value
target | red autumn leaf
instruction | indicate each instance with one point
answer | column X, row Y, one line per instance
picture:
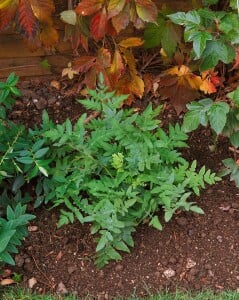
column 84, row 63
column 146, row 10
column 89, row 7
column 43, row 10
column 98, row 25
column 27, row 22
column 110, row 30
column 115, row 7
column 121, row 21
column 7, row 15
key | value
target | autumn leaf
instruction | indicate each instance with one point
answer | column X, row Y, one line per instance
column 89, row 7
column 104, row 57
column 115, row 7
column 146, row 10
column 121, row 21
column 137, row 86
column 48, row 36
column 43, row 10
column 84, row 63
column 180, row 86
column 4, row 3
column 98, row 25
column 26, row 20
column 69, row 71
column 210, row 81
column 130, row 61
column 7, row 15
column 131, row 42
column 117, row 66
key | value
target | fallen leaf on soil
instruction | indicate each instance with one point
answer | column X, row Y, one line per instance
column 31, row 282
column 59, row 256
column 7, row 281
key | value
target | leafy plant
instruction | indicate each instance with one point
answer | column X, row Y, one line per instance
column 20, row 161
column 212, row 33
column 118, row 170
column 223, row 118
column 12, row 231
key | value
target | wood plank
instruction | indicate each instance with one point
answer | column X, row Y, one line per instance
column 30, row 66
column 14, row 46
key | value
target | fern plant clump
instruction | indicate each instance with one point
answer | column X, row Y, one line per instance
column 118, row 170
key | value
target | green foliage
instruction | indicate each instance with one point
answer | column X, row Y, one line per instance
column 206, row 111
column 162, row 33
column 212, row 34
column 20, row 160
column 12, row 231
column 118, row 170
column 223, row 118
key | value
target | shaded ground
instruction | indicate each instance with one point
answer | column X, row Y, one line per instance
column 192, row 252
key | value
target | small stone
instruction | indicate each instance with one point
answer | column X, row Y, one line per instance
column 119, row 268
column 31, row 282
column 169, row 273
column 19, row 260
column 190, row 263
column 40, row 103
column 182, row 221
column 219, row 238
column 61, row 289
column 32, row 228
column 237, row 277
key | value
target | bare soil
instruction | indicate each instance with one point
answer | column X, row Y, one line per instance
column 193, row 252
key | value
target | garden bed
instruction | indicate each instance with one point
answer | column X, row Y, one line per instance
column 193, row 252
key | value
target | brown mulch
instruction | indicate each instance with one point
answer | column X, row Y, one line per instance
column 192, row 252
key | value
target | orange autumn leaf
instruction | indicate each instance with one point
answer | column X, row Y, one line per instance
column 137, row 86
column 43, row 10
column 131, row 42
column 49, row 36
column 180, row 86
column 185, row 76
column 117, row 66
column 210, row 81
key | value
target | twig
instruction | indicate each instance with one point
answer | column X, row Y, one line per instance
column 51, row 284
column 149, row 61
